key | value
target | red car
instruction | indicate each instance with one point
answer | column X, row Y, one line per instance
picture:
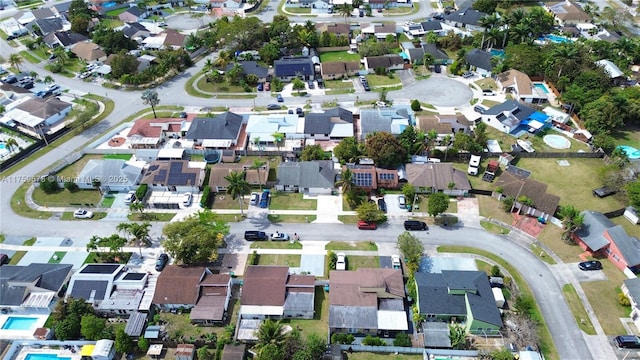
column 363, row 225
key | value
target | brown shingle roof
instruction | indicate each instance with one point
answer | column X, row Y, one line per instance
column 338, row 29
column 568, row 11
column 88, row 51
column 174, row 38
column 219, row 171
column 364, row 286
column 436, row 176
column 384, row 61
column 339, row 67
column 517, row 79
column 264, row 285
column 431, row 122
column 178, row 285
column 516, row 186
column 42, row 108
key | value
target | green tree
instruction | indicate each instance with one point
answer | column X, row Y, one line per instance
column 402, row 340
column 80, row 25
column 501, row 354
column 413, row 139
column 345, row 181
column 271, row 332
column 114, row 243
column 409, row 192
column 412, row 249
column 633, row 192
column 143, row 344
column 438, row 203
column 123, row 342
column 368, row 211
column 139, row 232
column 485, row 6
column 238, row 187
column 278, row 139
column 49, row 185
column 385, row 150
column 92, row 327
column 150, row 97
column 298, row 85
column 415, row 105
column 257, row 165
column 572, row 220
column 12, row 144
column 15, row 60
column 312, row 152
column 68, row 315
column 269, row 53
column 347, row 151
column 195, row 240
column 123, row 64
column 458, row 336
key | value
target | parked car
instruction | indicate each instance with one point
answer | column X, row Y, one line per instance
column 264, row 199
column 82, row 214
column 415, row 225
column 395, row 261
column 488, row 92
column 131, row 197
column 467, row 74
column 253, row 235
column 274, row 107
column 41, row 94
column 366, row 87
column 479, row 109
column 187, row 198
column 627, row 341
column 363, row 79
column 27, row 85
column 9, row 79
column 2, row 71
column 341, row 263
column 437, row 69
column 52, row 87
column 365, row 225
column 402, row 204
column 279, row 98
column 382, row 205
column 310, row 84
column 278, row 236
column 162, row 261
column 590, row 265
column 255, row 199
column 4, row 259
column 260, row 87
column 183, row 115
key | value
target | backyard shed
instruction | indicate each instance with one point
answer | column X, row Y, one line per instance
column 497, row 294
column 632, row 215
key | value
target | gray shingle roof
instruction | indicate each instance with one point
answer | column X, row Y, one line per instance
column 375, row 120
column 466, row 16
column 629, row 246
column 299, row 301
column 135, row 11
column 45, row 276
column 293, row 66
column 43, row 13
column 431, row 25
column 520, row 111
column 322, row 123
column 223, row 126
column 480, row 59
column 633, row 285
column 110, row 171
column 67, row 38
column 48, row 25
column 251, row 67
column 593, row 228
column 307, row 174
column 353, row 317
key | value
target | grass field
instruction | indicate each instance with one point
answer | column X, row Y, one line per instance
column 29, row 57
column 57, row 257
column 493, row 228
column 276, row 245
column 551, row 237
column 116, row 12
column 383, row 356
column 73, row 170
column 338, row 84
column 339, row 56
column 276, row 219
column 356, row 246
column 291, row 201
column 602, row 296
column 165, row 217
column 107, row 201
column 348, row 219
column 298, row 10
column 64, row 198
column 125, row 157
column 15, row 259
column 224, row 201
column 68, row 216
column 223, row 87
column 356, row 262
column 280, row 259
column 577, row 309
column 383, row 80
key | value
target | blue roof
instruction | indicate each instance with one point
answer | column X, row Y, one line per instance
column 404, row 55
column 540, row 116
column 293, row 67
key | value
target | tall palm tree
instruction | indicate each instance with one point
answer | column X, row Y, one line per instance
column 11, row 143
column 346, row 181
column 256, row 143
column 515, row 17
column 278, row 139
column 257, row 165
column 96, row 183
column 208, row 66
column 48, row 80
column 345, row 10
column 572, row 220
column 224, row 57
column 238, row 187
column 15, row 60
column 139, row 232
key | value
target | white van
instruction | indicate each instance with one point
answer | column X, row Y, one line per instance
column 474, row 164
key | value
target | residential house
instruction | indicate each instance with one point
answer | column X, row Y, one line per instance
column 31, row 288
column 154, row 133
column 35, row 113
column 369, row 177
column 466, row 18
column 289, row 68
column 251, row 67
column 185, row 352
column 340, row 29
column 413, row 29
column 262, row 127
column 367, row 302
column 135, row 31
column 104, row 349
column 270, row 292
column 314, row 4
column 133, row 14
column 631, row 289
column 218, row 172
column 113, row 174
column 109, row 288
column 24, row 17
column 226, row 4
column 391, row 119
column 459, row 296
column 480, row 61
column 196, row 288
column 43, row 27
column 339, row 69
column 380, row 31
column 224, row 131
column 387, row 62
column 234, row 352
column 416, row 52
column 174, row 40
column 602, row 238
column 544, row 204
column 444, row 125
column 89, row 51
column 61, row 9
column 512, row 117
column 437, row 177
column 175, row 176
column 308, row 177
column 65, row 39
column 613, row 71
column 333, row 124
column 434, row 26
column 568, row 13
column 521, row 87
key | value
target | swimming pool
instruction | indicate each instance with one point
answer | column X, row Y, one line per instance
column 19, row 323
column 542, row 87
column 2, row 146
column 632, row 153
column 556, row 141
column 34, row 356
column 499, row 53
column 109, row 4
column 556, row 38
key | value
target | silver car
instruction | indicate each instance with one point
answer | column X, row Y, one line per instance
column 255, row 199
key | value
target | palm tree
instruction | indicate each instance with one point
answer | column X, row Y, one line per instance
column 447, row 142
column 271, row 332
column 15, row 60
column 257, row 165
column 515, row 17
column 137, row 206
column 224, row 57
column 238, row 187
column 256, row 143
column 345, row 10
column 48, row 80
column 278, row 139
column 427, row 60
column 96, row 183
column 520, row 34
column 346, row 181
column 139, row 232
column 572, row 220
column 208, row 66
column 150, row 97
column 11, row 143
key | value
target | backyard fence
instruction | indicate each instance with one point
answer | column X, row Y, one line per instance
column 614, row 213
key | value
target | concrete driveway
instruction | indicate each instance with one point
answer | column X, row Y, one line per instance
column 438, row 90
column 393, row 207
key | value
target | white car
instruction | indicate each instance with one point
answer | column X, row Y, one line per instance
column 341, row 263
column 395, row 261
column 255, row 199
column 52, row 87
column 187, row 198
column 278, row 236
column 131, row 197
column 82, row 214
column 402, row 204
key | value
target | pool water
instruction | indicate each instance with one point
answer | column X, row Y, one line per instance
column 3, row 146
column 556, row 141
column 556, row 38
column 45, row 357
column 541, row 87
column 632, row 153
column 19, row 323
column 109, row 4
column 499, row 53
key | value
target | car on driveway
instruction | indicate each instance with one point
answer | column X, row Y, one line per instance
column 395, row 261
column 52, row 87
column 467, row 74
column 41, row 94
column 260, row 87
column 131, row 197
column 488, row 92
column 479, row 109
column 341, row 263
column 382, row 205
column 278, row 236
column 255, row 199
column 279, row 98
column 264, row 199
column 82, row 214
column 366, row 225
column 402, row 204
column 163, row 259
column 590, row 265
column 627, row 342
column 366, row 86
column 274, row 107
column 187, row 198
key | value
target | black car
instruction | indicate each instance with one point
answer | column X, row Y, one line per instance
column 415, row 225
column 437, row 69
column 366, row 86
column 590, row 265
column 252, row 235
column 274, row 107
column 4, row 259
column 10, row 79
column 627, row 341
column 162, row 262
column 382, row 205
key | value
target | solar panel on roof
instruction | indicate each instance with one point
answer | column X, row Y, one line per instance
column 162, row 174
column 99, row 269
column 134, row 276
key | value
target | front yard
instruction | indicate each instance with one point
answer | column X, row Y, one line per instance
column 355, row 246
column 64, row 198
column 356, row 262
column 291, row 201
column 383, row 80
column 280, row 259
column 339, row 56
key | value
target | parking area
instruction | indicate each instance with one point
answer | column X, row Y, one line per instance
column 564, row 272
column 393, row 205
column 438, row 90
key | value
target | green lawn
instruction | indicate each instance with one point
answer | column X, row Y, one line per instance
column 338, row 84
column 280, row 259
column 383, row 356
column 73, row 170
column 57, row 255
column 29, row 242
column 339, row 56
column 224, row 201
column 319, row 324
column 298, row 10
column 116, row 12
column 15, row 259
column 276, row 245
column 493, row 228
column 356, row 246
column 64, row 198
column 291, row 218
column 383, row 80
column 602, row 296
column 29, row 57
column 68, row 216
column 579, row 313
column 125, row 157
column 223, row 87
column 542, row 254
column 107, row 201
column 111, row 23
column 348, row 219
column 291, row 201
column 356, row 262
column 164, row 217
